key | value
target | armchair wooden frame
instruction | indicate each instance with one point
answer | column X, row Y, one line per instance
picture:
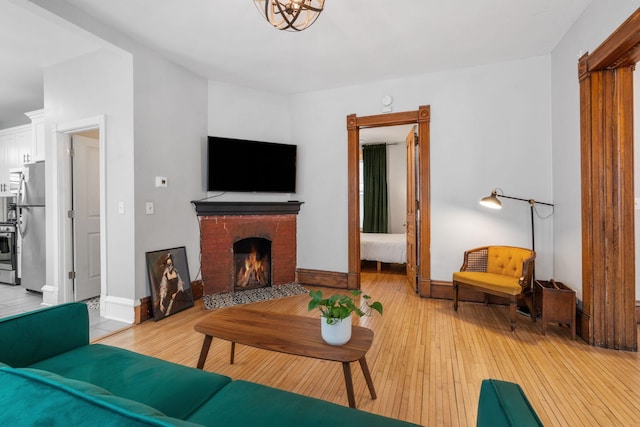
column 477, row 260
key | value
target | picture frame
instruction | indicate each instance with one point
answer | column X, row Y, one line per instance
column 169, row 281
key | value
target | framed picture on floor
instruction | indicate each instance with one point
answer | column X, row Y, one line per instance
column 169, row 281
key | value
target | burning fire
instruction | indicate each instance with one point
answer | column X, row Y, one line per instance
column 252, row 273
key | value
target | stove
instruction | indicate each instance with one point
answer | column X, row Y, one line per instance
column 8, row 226
column 8, row 253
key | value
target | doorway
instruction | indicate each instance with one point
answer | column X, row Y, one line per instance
column 62, row 246
column 396, row 246
column 421, row 118
column 85, row 220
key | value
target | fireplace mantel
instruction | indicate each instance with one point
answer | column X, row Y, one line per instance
column 246, row 208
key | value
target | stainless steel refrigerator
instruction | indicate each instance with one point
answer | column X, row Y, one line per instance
column 31, row 226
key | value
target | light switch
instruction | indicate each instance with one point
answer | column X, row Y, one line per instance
column 637, row 204
column 149, row 208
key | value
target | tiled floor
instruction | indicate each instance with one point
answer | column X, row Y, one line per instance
column 15, row 299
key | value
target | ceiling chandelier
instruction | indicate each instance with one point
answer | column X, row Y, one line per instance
column 290, row 15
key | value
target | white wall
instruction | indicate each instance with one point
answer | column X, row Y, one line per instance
column 170, row 130
column 397, row 186
column 490, row 127
column 600, row 19
column 238, row 112
column 91, row 85
column 156, row 115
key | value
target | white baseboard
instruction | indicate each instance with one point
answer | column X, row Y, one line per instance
column 116, row 308
column 49, row 295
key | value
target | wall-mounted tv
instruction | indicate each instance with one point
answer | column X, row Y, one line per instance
column 250, row 166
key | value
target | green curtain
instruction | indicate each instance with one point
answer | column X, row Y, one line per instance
column 374, row 165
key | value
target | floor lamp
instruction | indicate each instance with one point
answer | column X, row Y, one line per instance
column 493, row 203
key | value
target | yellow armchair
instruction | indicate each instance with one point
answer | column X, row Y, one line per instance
column 504, row 271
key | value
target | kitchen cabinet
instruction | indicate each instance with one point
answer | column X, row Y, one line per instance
column 34, row 151
column 20, row 145
column 20, row 153
column 5, row 141
column 14, row 142
column 22, row 150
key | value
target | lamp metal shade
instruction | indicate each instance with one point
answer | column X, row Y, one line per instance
column 491, row 201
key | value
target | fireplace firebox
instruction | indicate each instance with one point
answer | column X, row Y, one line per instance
column 252, row 263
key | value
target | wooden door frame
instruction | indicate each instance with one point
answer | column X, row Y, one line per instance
column 411, row 266
column 421, row 117
column 607, row 171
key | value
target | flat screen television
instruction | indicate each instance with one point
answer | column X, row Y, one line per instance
column 250, row 166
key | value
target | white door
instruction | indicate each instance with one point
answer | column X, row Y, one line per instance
column 85, row 165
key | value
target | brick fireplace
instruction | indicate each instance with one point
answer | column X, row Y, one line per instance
column 225, row 224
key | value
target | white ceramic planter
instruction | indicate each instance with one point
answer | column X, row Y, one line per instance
column 337, row 334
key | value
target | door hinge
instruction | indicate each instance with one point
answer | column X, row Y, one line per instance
column 417, row 204
column 416, row 139
column 71, row 214
column 70, row 152
column 72, row 275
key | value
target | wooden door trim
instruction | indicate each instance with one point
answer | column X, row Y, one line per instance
column 607, row 172
column 421, row 117
column 411, row 209
column 620, row 49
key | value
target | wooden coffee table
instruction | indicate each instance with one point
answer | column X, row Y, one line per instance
column 286, row 333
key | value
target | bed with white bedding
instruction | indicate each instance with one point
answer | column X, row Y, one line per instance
column 383, row 247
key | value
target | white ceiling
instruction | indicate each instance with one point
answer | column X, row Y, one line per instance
column 352, row 41
column 386, row 134
column 28, row 44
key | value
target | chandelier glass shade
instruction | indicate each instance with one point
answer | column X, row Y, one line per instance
column 290, row 15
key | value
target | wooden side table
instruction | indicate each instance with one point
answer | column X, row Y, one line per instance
column 555, row 302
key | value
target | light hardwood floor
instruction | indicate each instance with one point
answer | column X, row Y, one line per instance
column 427, row 361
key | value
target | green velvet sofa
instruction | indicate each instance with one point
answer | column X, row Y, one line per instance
column 51, row 375
column 504, row 404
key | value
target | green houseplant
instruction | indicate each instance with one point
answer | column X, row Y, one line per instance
column 335, row 314
column 338, row 307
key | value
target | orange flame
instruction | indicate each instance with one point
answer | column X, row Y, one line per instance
column 253, row 271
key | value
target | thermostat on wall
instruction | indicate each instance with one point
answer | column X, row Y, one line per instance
column 162, row 181
column 387, row 100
